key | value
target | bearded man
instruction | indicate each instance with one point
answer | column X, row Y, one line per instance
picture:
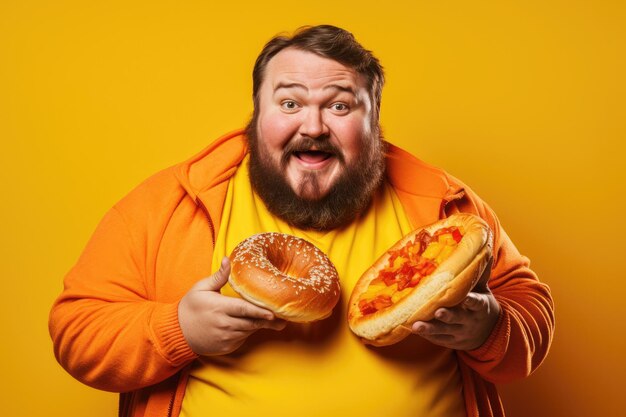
column 135, row 316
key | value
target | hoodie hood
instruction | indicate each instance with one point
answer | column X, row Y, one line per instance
column 213, row 165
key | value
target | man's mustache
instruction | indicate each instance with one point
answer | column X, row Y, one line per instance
column 306, row 143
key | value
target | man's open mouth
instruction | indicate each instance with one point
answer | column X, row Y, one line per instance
column 312, row 157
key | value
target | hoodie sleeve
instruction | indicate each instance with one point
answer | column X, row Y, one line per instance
column 522, row 336
column 106, row 330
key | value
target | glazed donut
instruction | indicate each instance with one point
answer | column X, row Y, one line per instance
column 285, row 274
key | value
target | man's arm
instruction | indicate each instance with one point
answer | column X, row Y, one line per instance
column 108, row 332
column 502, row 330
column 522, row 335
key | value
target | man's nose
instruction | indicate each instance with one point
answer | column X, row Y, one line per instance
column 313, row 125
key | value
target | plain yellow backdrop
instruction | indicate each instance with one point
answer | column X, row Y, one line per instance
column 523, row 100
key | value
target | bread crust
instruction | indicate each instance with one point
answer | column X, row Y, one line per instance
column 285, row 274
column 446, row 286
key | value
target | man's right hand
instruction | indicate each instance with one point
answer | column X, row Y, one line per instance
column 215, row 324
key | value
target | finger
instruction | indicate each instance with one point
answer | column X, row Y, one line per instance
column 237, row 307
column 217, row 280
column 450, row 315
column 475, row 302
column 220, row 278
column 276, row 324
column 435, row 328
column 250, row 325
column 419, row 327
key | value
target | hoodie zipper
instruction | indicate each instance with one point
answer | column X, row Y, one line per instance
column 208, row 216
column 180, row 383
column 170, row 407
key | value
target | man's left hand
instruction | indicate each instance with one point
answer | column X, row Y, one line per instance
column 467, row 325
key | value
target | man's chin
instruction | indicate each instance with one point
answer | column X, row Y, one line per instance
column 311, row 195
column 311, row 186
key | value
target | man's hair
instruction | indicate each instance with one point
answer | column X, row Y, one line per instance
column 329, row 42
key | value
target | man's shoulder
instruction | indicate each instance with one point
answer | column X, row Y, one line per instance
column 152, row 193
column 213, row 164
column 425, row 187
column 411, row 174
column 183, row 181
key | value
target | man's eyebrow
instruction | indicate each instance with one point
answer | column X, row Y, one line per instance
column 342, row 88
column 289, row 85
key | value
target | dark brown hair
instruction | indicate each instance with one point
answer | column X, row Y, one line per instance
column 329, row 42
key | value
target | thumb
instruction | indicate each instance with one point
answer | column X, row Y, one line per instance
column 217, row 280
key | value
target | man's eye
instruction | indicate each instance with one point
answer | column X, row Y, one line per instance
column 340, row 107
column 289, row 105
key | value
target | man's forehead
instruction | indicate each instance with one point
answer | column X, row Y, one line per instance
column 296, row 68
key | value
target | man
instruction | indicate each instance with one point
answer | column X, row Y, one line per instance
column 135, row 316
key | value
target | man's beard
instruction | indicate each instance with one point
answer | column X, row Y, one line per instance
column 347, row 198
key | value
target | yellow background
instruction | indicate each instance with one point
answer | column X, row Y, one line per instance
column 525, row 101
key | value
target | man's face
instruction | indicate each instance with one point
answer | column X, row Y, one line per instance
column 314, row 115
column 315, row 156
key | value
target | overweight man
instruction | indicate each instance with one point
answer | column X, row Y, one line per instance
column 147, row 311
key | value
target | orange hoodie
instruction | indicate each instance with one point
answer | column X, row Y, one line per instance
column 115, row 325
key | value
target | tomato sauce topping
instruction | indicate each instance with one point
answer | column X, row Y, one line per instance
column 407, row 266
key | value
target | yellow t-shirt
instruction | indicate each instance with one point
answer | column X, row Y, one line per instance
column 321, row 368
